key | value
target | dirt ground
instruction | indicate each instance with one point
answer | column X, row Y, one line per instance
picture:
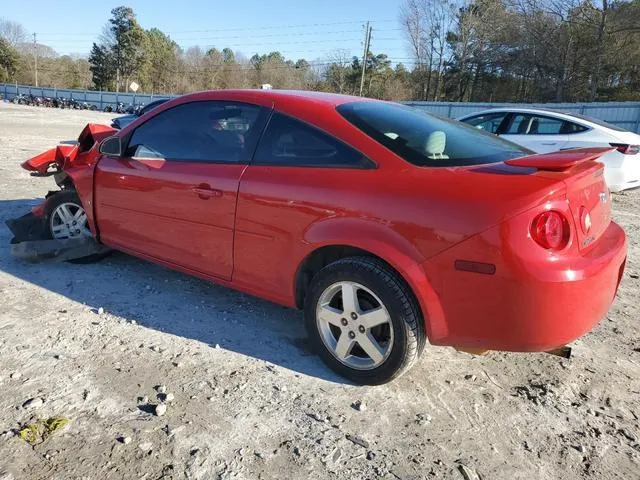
column 97, row 344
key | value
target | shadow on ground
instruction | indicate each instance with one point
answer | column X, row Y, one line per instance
column 171, row 302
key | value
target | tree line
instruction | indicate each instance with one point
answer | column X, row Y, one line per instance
column 460, row 50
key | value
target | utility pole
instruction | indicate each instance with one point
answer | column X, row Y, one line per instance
column 367, row 40
column 35, row 56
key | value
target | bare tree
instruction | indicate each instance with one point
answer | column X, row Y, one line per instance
column 427, row 24
column 13, row 32
column 415, row 25
column 337, row 73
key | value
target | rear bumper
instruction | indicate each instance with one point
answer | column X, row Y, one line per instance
column 626, row 176
column 527, row 308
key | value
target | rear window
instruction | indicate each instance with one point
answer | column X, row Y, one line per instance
column 597, row 121
column 427, row 140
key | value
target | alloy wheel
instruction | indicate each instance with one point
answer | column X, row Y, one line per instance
column 69, row 220
column 354, row 325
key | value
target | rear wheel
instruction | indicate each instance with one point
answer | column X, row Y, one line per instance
column 363, row 320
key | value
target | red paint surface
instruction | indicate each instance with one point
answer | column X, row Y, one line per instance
column 259, row 224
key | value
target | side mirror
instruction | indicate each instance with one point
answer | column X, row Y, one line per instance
column 111, row 146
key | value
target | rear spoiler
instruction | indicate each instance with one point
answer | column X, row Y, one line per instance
column 560, row 160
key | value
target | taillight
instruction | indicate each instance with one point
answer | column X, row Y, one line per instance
column 550, row 230
column 626, row 149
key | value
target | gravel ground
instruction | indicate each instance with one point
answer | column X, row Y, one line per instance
column 102, row 344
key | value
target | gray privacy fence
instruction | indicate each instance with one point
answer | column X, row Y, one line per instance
column 623, row 114
column 99, row 99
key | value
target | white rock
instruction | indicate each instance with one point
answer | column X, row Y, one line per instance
column 160, row 409
column 161, row 389
column 125, row 440
column 468, row 473
column 100, row 311
column 359, row 405
column 146, row 446
column 171, row 431
column 217, row 345
column 33, row 403
column 15, row 375
column 169, row 397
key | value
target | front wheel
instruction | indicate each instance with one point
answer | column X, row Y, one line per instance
column 363, row 320
column 65, row 217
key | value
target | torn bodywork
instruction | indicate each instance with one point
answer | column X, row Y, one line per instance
column 71, row 164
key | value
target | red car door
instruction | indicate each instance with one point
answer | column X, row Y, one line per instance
column 294, row 163
column 172, row 194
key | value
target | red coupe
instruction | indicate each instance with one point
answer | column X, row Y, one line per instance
column 387, row 226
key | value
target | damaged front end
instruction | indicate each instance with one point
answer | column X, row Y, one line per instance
column 62, row 227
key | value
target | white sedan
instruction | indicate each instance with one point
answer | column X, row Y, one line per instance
column 547, row 131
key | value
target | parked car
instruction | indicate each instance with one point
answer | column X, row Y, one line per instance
column 120, row 122
column 387, row 226
column 544, row 131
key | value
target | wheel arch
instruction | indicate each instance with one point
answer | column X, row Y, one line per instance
column 404, row 261
column 81, row 180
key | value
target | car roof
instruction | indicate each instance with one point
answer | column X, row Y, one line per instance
column 519, row 110
column 328, row 99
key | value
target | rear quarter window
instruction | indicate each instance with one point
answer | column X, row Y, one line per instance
column 290, row 142
column 427, row 140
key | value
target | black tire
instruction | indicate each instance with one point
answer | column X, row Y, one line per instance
column 53, row 202
column 407, row 322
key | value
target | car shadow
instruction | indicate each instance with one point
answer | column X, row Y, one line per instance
column 172, row 302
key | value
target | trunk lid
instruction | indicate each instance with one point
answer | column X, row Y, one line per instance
column 586, row 189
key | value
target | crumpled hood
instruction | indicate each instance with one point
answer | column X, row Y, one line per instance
column 66, row 155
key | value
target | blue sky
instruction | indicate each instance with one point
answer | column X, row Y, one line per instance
column 298, row 29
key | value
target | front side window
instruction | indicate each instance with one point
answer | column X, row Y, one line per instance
column 287, row 141
column 489, row 122
column 425, row 139
column 209, row 131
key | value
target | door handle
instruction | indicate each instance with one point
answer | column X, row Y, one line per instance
column 549, row 143
column 206, row 192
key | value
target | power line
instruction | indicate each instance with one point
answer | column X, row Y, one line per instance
column 301, row 42
column 271, row 35
column 274, row 27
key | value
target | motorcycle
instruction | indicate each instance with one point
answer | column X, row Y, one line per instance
column 20, row 99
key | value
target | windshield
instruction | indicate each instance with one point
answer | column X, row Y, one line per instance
column 427, row 140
